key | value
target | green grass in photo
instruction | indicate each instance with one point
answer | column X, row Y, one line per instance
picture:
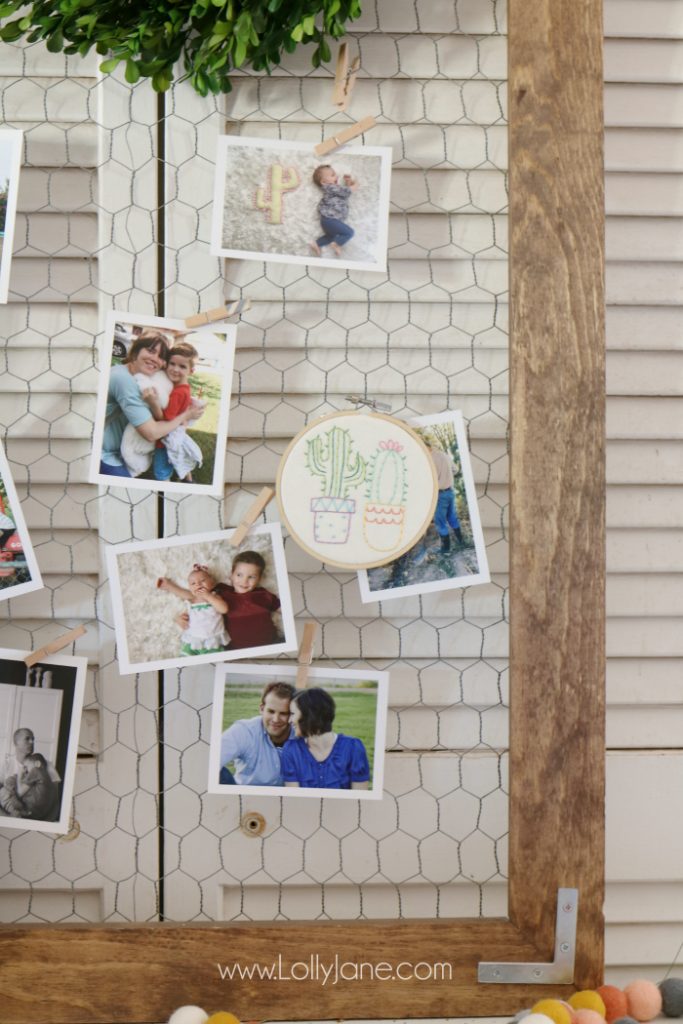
column 355, row 716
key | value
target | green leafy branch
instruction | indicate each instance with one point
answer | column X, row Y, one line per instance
column 210, row 38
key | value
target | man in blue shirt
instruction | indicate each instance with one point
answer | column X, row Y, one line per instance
column 254, row 745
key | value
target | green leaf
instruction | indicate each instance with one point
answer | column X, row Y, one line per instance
column 55, row 42
column 10, row 33
column 107, row 66
column 161, row 80
column 297, row 33
column 309, row 25
column 240, row 53
column 132, row 72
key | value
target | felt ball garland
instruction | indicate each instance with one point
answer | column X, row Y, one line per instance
column 640, row 1002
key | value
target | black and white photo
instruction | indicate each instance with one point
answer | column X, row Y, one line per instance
column 40, row 717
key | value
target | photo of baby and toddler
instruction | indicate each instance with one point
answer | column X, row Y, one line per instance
column 201, row 598
column 279, row 201
column 163, row 405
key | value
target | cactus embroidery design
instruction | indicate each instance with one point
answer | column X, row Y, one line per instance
column 269, row 197
column 386, row 493
column 330, row 457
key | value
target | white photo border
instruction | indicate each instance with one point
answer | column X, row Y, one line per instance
column 455, row 417
column 215, row 488
column 36, row 581
column 289, row 644
column 283, row 672
column 385, row 155
column 62, row 826
column 15, row 138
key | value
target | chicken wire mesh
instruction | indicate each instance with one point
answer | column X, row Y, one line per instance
column 114, row 212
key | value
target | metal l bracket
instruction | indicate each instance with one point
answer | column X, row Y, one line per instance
column 561, row 970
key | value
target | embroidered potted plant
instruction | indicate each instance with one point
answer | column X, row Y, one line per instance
column 330, row 456
column 386, row 493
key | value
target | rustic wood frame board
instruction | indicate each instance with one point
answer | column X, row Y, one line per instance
column 141, row 973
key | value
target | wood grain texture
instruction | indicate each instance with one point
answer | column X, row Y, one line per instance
column 95, row 975
column 557, row 640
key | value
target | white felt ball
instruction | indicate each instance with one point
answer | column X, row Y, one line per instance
column 188, row 1015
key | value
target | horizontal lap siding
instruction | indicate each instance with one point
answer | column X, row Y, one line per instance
column 644, row 160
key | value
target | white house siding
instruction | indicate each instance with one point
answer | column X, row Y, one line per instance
column 644, row 159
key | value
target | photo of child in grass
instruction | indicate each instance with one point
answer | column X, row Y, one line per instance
column 10, row 162
column 452, row 552
column 200, row 598
column 326, row 739
column 162, row 415
column 278, row 201
column 19, row 573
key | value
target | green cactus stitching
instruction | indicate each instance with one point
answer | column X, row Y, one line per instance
column 385, row 479
column 330, row 457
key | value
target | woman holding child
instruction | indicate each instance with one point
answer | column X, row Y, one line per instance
column 128, row 404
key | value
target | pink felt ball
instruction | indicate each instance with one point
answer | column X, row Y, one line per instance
column 584, row 1016
column 644, row 999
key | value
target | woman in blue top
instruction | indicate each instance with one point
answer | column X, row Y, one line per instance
column 316, row 757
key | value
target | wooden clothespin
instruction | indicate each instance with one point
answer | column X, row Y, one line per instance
column 352, row 132
column 344, row 77
column 251, row 515
column 305, row 655
column 219, row 313
column 55, row 645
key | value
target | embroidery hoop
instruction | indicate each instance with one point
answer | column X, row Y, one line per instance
column 328, row 552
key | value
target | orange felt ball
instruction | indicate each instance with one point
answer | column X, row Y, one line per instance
column 587, row 1000
column 644, row 999
column 584, row 1016
column 616, row 1003
column 553, row 1008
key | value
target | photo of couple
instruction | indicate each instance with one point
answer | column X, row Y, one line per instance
column 326, row 739
column 199, row 597
column 162, row 414
column 40, row 713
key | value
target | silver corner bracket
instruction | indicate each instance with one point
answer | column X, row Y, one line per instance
column 561, row 970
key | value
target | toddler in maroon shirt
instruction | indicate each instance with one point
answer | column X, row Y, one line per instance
column 249, row 618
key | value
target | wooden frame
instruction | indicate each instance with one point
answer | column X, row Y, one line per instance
column 141, row 973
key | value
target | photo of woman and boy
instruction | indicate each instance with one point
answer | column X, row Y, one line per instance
column 324, row 740
column 200, row 598
column 162, row 414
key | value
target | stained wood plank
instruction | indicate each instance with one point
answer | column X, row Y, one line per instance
column 557, row 465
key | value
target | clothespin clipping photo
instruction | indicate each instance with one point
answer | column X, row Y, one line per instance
column 305, row 655
column 251, row 515
column 212, row 316
column 345, row 135
column 54, row 646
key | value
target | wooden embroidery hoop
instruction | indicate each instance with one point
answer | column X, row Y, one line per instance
column 411, row 540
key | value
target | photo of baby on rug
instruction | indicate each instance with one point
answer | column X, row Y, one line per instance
column 278, row 201
column 163, row 402
column 200, row 598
